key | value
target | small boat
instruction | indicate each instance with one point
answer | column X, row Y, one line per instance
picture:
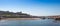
column 57, row 18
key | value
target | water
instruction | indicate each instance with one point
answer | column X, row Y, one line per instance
column 41, row 22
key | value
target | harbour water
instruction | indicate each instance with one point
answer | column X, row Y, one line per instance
column 41, row 22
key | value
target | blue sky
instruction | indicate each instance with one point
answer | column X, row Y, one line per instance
column 33, row 7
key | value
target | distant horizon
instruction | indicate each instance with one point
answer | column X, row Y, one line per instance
column 30, row 14
column 33, row 7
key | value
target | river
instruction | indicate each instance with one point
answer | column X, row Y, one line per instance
column 41, row 22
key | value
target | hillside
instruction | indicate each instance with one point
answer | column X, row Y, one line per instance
column 8, row 14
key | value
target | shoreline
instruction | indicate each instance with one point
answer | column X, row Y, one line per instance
column 21, row 19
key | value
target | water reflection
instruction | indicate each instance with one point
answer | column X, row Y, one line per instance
column 41, row 22
column 56, row 21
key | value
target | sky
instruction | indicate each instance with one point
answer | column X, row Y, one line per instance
column 32, row 7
